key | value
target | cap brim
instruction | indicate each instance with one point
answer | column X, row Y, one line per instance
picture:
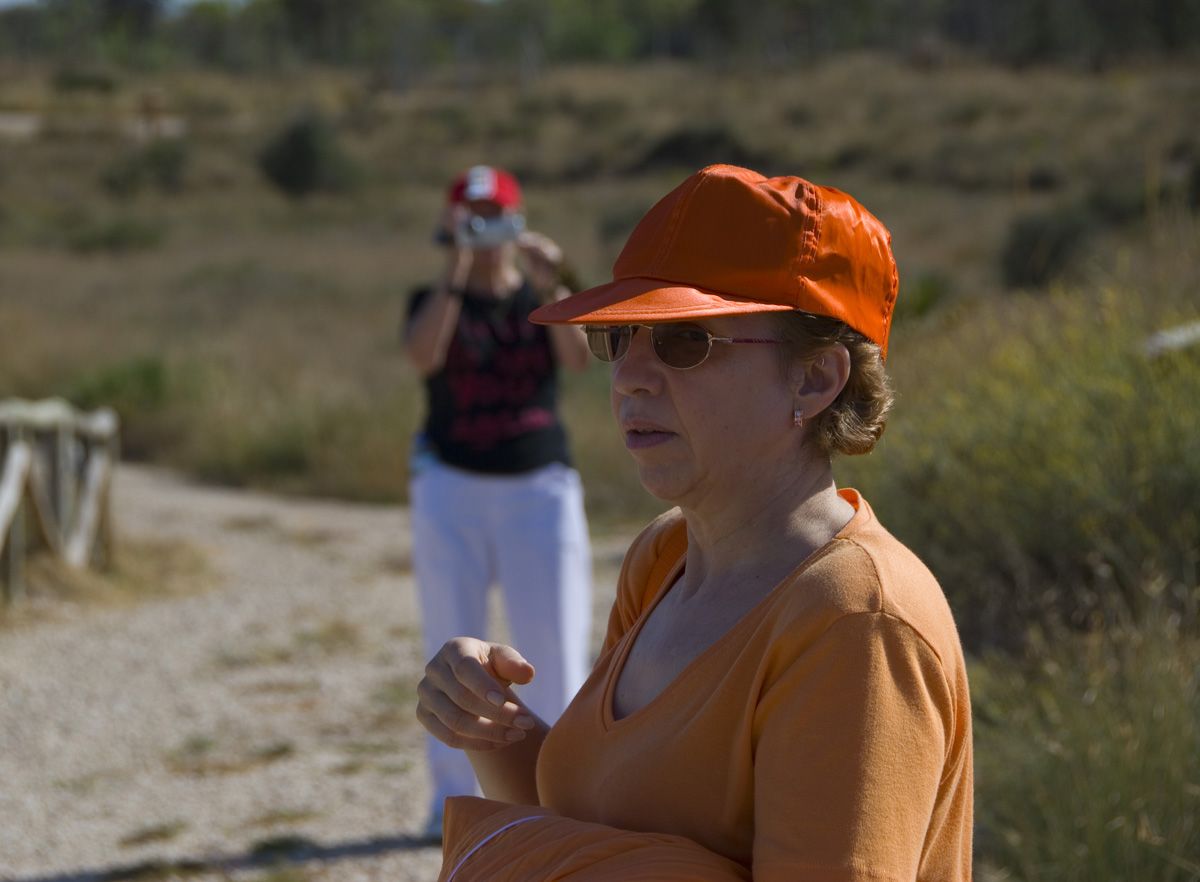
column 645, row 300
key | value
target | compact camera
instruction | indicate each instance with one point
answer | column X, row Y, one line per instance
column 490, row 232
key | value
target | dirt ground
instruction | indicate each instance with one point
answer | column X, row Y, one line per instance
column 256, row 725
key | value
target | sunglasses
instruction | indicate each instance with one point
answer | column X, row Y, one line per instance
column 678, row 345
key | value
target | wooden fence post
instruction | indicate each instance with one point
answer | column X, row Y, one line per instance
column 16, row 555
column 56, row 467
column 13, row 476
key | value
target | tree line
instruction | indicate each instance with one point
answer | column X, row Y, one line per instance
column 404, row 37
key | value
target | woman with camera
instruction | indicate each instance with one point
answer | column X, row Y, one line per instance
column 494, row 497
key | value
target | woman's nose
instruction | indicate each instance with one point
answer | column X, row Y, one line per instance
column 639, row 370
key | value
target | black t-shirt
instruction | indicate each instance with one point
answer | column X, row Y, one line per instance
column 493, row 407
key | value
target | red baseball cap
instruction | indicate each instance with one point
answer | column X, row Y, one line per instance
column 485, row 183
column 729, row 240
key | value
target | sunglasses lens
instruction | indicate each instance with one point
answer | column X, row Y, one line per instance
column 680, row 346
column 609, row 343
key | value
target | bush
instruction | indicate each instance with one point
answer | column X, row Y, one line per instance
column 694, row 146
column 1088, row 758
column 140, row 390
column 1053, row 475
column 160, row 164
column 132, row 385
column 922, row 296
column 115, row 234
column 84, row 79
column 1040, row 246
column 615, row 223
column 1118, row 200
column 305, row 158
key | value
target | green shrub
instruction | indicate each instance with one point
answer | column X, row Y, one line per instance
column 305, row 158
column 165, row 161
column 84, row 79
column 117, row 234
column 1043, row 178
column 614, row 224
column 160, row 164
column 693, row 146
column 142, row 391
column 1040, row 246
column 1053, row 475
column 922, row 296
column 282, row 449
column 135, row 384
column 1119, row 199
column 1088, row 759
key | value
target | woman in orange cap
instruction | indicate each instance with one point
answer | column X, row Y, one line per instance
column 781, row 693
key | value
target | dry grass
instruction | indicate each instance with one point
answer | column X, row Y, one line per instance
column 157, row 833
column 330, row 637
column 201, row 755
column 284, row 816
column 273, row 324
column 140, row 570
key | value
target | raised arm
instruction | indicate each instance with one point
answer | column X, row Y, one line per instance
column 429, row 332
column 543, row 261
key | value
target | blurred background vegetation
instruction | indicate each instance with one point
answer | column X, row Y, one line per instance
column 211, row 214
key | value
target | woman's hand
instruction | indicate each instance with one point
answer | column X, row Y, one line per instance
column 542, row 259
column 464, row 699
column 459, row 254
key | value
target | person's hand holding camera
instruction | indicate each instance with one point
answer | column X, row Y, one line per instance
column 459, row 252
column 542, row 259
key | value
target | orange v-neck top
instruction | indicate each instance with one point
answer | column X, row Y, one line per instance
column 825, row 736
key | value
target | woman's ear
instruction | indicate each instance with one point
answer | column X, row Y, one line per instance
column 819, row 382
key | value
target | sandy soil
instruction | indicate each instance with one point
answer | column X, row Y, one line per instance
column 261, row 727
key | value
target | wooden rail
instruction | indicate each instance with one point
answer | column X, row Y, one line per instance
column 56, row 466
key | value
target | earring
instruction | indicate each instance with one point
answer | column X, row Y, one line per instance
column 798, row 418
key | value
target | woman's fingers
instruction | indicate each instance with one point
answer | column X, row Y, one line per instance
column 470, row 688
column 453, row 726
column 509, row 664
column 464, row 699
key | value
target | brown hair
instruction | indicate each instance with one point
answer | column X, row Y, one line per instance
column 857, row 417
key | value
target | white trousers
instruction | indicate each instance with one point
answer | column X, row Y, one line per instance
column 528, row 533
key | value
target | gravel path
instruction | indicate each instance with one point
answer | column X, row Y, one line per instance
column 267, row 719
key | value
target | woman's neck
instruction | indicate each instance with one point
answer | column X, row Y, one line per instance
column 761, row 537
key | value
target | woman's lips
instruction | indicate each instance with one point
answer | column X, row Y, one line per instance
column 640, row 439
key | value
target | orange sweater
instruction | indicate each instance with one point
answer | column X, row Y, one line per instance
column 826, row 736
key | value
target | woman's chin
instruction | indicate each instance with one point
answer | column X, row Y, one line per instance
column 662, row 485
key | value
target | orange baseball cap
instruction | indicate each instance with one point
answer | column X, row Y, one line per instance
column 729, row 240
